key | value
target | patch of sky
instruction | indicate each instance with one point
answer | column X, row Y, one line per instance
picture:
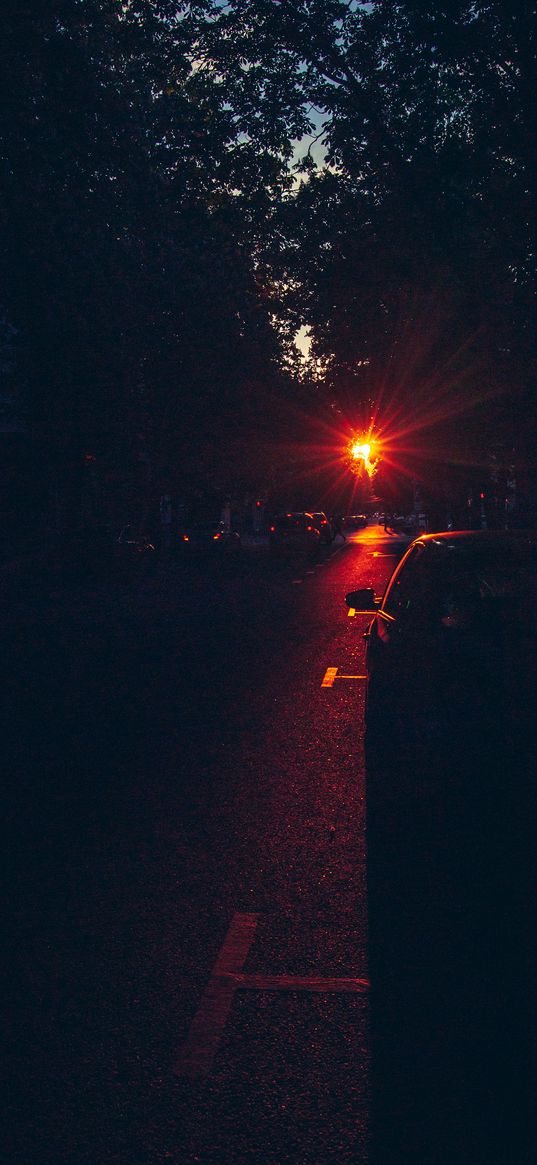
column 311, row 146
column 303, row 342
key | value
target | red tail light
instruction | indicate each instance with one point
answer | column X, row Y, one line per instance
column 272, row 529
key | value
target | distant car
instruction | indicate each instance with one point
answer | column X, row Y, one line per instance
column 355, row 521
column 209, row 536
column 405, row 523
column 324, row 527
column 132, row 546
column 295, row 530
column 76, row 556
column 101, row 550
column 452, row 647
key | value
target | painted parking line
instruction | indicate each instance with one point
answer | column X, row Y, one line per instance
column 367, row 610
column 323, row 984
column 197, row 1054
column 332, row 674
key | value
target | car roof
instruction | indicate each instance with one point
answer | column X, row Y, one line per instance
column 475, row 537
column 468, row 541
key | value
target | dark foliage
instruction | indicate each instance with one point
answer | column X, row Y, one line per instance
column 158, row 256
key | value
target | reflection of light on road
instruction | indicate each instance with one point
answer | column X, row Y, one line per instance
column 374, row 534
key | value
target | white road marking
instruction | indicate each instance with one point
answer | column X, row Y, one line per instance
column 296, row 581
column 321, row 983
column 197, row 1054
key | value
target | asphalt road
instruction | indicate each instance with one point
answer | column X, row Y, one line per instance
column 185, row 843
column 177, row 776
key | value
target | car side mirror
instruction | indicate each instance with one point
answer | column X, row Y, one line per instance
column 363, row 601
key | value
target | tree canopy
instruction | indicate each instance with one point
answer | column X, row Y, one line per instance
column 410, row 254
column 185, row 185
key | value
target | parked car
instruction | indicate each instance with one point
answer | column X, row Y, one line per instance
column 355, row 521
column 405, row 524
column 210, row 536
column 324, row 526
column 451, row 817
column 77, row 556
column 100, row 551
column 295, row 531
column 132, row 546
column 458, row 616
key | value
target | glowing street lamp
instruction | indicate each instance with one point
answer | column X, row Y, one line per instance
column 361, row 451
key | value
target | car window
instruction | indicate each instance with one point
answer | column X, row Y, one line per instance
column 405, row 584
column 461, row 584
column 291, row 521
column 480, row 587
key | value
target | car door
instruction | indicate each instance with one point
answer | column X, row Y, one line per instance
column 394, row 638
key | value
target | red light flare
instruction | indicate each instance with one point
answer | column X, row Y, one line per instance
column 409, row 429
column 361, row 451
